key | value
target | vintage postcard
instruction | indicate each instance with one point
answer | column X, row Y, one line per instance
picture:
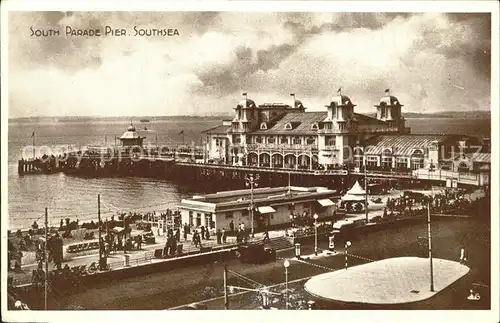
column 250, row 156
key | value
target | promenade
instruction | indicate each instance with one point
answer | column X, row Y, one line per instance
column 146, row 255
column 118, row 259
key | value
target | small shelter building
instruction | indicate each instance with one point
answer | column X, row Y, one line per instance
column 271, row 207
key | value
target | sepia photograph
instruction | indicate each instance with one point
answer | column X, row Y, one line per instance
column 260, row 157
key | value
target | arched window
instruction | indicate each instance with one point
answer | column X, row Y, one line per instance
column 417, row 159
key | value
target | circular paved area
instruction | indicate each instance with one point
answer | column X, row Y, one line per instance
column 388, row 281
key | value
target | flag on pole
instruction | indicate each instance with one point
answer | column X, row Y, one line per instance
column 339, row 90
column 292, row 94
column 245, row 93
column 387, row 91
column 33, row 135
column 181, row 133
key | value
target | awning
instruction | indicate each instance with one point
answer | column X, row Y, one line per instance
column 266, row 209
column 118, row 229
column 326, row 202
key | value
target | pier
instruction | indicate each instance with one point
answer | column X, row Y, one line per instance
column 183, row 164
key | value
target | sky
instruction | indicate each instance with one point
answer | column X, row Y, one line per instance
column 430, row 61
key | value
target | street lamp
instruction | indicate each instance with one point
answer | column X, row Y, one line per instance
column 124, row 234
column 347, row 244
column 429, row 237
column 315, row 234
column 286, row 264
column 251, row 181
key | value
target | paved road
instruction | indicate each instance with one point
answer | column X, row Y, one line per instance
column 183, row 286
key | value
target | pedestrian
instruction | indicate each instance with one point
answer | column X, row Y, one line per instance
column 219, row 236
column 463, row 258
column 224, row 236
column 178, row 234
column 196, row 238
column 266, row 235
column 139, row 242
column 185, row 233
column 173, row 246
column 231, row 226
column 207, row 234
column 202, row 232
column 165, row 249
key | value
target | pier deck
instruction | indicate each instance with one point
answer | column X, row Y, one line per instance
column 185, row 165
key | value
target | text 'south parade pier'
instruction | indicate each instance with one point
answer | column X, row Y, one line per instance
column 284, row 143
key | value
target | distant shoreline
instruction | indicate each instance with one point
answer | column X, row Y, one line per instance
column 480, row 114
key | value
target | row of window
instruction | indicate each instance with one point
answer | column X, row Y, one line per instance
column 400, row 162
column 329, row 140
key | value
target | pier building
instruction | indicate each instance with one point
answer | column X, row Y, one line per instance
column 131, row 137
column 278, row 135
column 271, row 206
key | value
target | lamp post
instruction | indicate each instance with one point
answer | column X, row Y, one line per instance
column 315, row 234
column 251, row 181
column 366, row 198
column 286, row 264
column 347, row 244
column 124, row 234
column 430, row 244
column 226, row 298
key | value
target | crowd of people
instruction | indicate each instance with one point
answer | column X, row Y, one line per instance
column 447, row 201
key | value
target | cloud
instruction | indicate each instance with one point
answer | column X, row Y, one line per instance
column 430, row 61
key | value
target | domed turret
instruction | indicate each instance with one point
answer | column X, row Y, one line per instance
column 245, row 110
column 389, row 108
column 341, row 100
column 340, row 108
column 247, row 103
column 131, row 128
column 390, row 100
